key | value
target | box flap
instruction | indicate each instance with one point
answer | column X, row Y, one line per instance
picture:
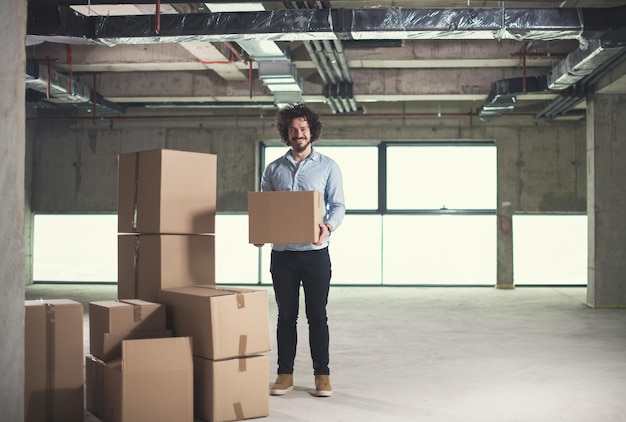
column 149, row 355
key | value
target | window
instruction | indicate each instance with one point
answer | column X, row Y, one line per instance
column 424, row 177
column 401, row 245
column 550, row 249
column 75, row 248
column 359, row 169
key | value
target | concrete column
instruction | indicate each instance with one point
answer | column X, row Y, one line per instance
column 606, row 200
column 507, row 144
column 12, row 278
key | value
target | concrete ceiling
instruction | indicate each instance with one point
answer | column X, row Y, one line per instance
column 430, row 69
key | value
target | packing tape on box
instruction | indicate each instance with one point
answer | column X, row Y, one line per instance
column 243, row 364
column 239, row 296
column 243, row 345
column 238, row 408
column 241, row 301
column 133, row 224
column 50, row 359
column 137, row 311
column 136, row 268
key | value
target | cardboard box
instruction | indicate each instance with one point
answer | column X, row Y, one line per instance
column 153, row 382
column 231, row 389
column 112, row 321
column 284, row 216
column 223, row 322
column 53, row 364
column 149, row 263
column 167, row 191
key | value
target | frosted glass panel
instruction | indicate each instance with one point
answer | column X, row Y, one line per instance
column 436, row 177
column 441, row 249
column 236, row 261
column 550, row 249
column 355, row 252
column 359, row 168
column 75, row 248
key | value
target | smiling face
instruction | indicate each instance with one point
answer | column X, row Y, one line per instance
column 299, row 135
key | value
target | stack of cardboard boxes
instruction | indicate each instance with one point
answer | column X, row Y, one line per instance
column 173, row 345
column 166, row 281
column 53, row 364
column 136, row 370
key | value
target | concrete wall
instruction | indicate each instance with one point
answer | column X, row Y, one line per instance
column 541, row 164
column 12, row 277
column 606, row 201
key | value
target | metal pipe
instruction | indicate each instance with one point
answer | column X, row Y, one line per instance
column 332, row 58
column 341, row 55
column 316, row 62
column 322, row 58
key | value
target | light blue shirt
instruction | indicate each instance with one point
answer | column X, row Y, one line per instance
column 316, row 172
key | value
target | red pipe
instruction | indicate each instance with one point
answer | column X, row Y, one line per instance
column 158, row 16
column 48, row 82
column 68, row 88
column 250, row 116
column 250, row 77
column 232, row 48
column 93, row 100
column 524, row 72
column 230, row 60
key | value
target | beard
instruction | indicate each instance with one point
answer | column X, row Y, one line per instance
column 298, row 148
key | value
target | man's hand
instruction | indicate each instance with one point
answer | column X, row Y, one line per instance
column 324, row 233
column 258, row 245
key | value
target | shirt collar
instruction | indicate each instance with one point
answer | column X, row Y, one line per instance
column 314, row 155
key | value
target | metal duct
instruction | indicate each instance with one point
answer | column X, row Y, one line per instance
column 325, row 24
column 280, row 76
column 503, row 95
column 65, row 90
column 580, row 63
column 276, row 71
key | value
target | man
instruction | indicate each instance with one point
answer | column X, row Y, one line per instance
column 303, row 168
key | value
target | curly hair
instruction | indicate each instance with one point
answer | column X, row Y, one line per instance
column 285, row 115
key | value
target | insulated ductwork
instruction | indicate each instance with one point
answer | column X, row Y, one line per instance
column 503, row 95
column 326, row 24
column 567, row 76
column 576, row 72
column 276, row 70
column 580, row 63
column 56, row 85
column 59, row 88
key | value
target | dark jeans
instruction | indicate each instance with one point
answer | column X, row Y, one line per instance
column 288, row 269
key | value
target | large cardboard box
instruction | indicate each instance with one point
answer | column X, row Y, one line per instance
column 53, row 364
column 167, row 191
column 284, row 216
column 223, row 322
column 149, row 263
column 231, row 389
column 112, row 321
column 153, row 382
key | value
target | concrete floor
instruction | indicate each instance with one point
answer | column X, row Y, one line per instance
column 450, row 354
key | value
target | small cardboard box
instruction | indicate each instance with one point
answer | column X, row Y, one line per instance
column 112, row 321
column 53, row 364
column 149, row 263
column 153, row 382
column 167, row 191
column 284, row 216
column 224, row 323
column 231, row 389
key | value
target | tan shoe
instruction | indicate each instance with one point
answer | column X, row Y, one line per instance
column 322, row 386
column 283, row 385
